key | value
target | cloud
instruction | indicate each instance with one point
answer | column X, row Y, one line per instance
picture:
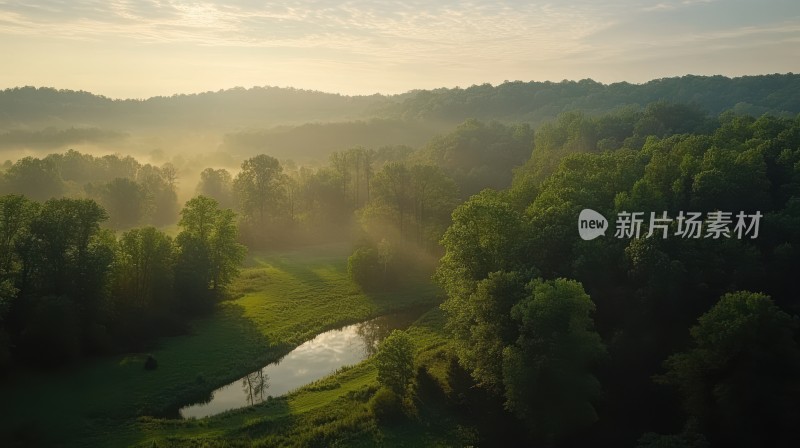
column 447, row 41
column 363, row 27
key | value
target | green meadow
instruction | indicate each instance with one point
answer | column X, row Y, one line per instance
column 279, row 301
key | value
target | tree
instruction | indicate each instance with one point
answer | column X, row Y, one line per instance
column 198, row 218
column 395, row 362
column 435, row 196
column 292, row 185
column 62, row 233
column 16, row 212
column 170, row 175
column 354, row 170
column 38, row 179
column 482, row 326
column 125, row 200
column 144, row 268
column 65, row 255
column 209, row 254
column 547, row 371
column 740, row 377
column 161, row 199
column 226, row 252
column 143, row 285
column 258, row 188
column 322, row 199
column 339, row 164
column 486, row 235
column 393, row 185
column 386, row 253
column 216, row 184
column 479, row 155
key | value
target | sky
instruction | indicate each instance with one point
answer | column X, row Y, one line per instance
column 139, row 49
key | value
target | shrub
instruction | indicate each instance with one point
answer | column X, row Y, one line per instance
column 386, row 405
column 363, row 267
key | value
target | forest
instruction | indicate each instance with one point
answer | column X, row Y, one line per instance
column 154, row 279
column 307, row 126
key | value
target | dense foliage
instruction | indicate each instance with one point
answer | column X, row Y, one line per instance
column 306, row 125
column 70, row 288
column 539, row 101
column 645, row 292
column 739, row 378
column 509, row 101
column 133, row 194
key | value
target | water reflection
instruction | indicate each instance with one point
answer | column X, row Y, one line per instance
column 254, row 385
column 307, row 363
column 372, row 332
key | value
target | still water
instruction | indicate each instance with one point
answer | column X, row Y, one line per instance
column 305, row 364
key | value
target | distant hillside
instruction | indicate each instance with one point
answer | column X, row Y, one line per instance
column 534, row 102
column 302, row 124
column 263, row 107
column 225, row 109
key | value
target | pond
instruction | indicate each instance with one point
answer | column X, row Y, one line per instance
column 313, row 360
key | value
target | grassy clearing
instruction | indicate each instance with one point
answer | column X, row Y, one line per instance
column 330, row 412
column 283, row 300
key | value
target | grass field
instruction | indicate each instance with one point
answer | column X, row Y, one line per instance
column 330, row 412
column 283, row 300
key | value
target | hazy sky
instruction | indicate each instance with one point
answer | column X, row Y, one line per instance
column 122, row 48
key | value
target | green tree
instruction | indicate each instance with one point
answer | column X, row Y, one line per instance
column 258, row 187
column 16, row 212
column 209, row 254
column 395, row 362
column 478, row 155
column 62, row 233
column 547, row 371
column 216, row 184
column 65, row 256
column 124, row 199
column 739, row 379
column 143, row 291
column 409, row 204
column 144, row 268
column 226, row 252
column 487, row 235
column 161, row 199
column 482, row 326
column 38, row 179
column 435, row 195
column 322, row 200
column 393, row 186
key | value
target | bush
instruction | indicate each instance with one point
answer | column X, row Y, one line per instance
column 364, row 267
column 386, row 405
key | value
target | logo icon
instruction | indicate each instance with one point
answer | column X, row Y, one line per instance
column 591, row 224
